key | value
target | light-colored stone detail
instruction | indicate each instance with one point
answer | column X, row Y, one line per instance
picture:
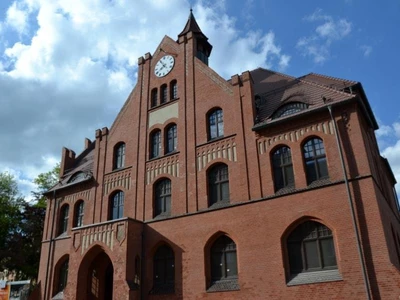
column 166, row 165
column 117, row 179
column 85, row 195
column 105, row 233
column 294, row 136
column 224, row 148
column 159, row 116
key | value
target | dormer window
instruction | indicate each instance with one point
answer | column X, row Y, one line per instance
column 78, row 176
column 289, row 109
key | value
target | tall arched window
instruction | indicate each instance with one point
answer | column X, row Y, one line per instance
column 164, row 93
column 218, row 184
column 223, row 259
column 79, row 213
column 173, row 88
column 62, row 276
column 154, row 97
column 162, row 199
column 116, row 206
column 310, row 248
column 63, row 222
column 171, row 139
column 119, row 156
column 216, row 124
column 164, row 270
column 155, row 147
column 315, row 160
column 283, row 168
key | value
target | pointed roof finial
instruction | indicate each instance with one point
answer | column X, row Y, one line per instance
column 191, row 25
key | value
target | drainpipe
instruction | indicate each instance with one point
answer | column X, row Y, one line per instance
column 352, row 210
column 142, row 268
column 50, row 245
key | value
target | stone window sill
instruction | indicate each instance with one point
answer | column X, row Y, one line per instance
column 224, row 286
column 315, row 277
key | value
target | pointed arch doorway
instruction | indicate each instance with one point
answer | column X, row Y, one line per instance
column 96, row 276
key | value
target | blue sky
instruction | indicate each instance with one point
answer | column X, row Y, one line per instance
column 67, row 67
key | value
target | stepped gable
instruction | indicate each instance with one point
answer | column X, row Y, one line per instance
column 84, row 163
column 311, row 93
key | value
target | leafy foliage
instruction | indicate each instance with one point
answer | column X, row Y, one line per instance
column 21, row 224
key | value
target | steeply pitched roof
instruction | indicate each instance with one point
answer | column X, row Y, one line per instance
column 84, row 163
column 273, row 90
column 329, row 81
column 191, row 26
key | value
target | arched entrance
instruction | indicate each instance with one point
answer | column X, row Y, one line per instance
column 96, row 276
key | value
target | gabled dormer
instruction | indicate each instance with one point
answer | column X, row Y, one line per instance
column 202, row 48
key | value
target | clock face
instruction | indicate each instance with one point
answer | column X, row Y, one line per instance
column 164, row 66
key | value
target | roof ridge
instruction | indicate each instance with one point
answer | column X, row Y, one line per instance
column 325, row 87
column 330, row 77
column 279, row 73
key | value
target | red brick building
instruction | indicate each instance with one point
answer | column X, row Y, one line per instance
column 263, row 186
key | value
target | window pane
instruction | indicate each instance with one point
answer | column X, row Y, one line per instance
column 278, row 178
column 225, row 191
column 311, row 253
column 311, row 172
column 323, row 168
column 170, row 270
column 295, row 258
column 159, row 271
column 167, row 203
column 289, row 175
column 328, row 252
column 231, row 264
column 216, row 265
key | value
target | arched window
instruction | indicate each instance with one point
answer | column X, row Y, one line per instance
column 310, row 248
column 154, row 97
column 164, row 93
column 164, row 270
column 162, row 201
column 78, row 176
column 155, row 140
column 79, row 213
column 223, row 259
column 216, row 124
column 63, row 222
column 62, row 276
column 283, row 168
column 218, row 184
column 119, row 156
column 117, row 206
column 289, row 109
column 173, row 88
column 171, row 139
column 315, row 160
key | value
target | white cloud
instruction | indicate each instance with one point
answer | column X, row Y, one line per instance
column 77, row 63
column 389, row 141
column 318, row 44
column 366, row 50
column 16, row 17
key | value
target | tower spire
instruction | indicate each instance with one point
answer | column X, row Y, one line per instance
column 202, row 46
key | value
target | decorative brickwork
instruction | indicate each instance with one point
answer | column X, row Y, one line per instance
column 117, row 179
column 223, row 148
column 165, row 165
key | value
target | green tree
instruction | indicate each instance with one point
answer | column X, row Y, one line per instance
column 21, row 224
column 44, row 182
column 10, row 217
